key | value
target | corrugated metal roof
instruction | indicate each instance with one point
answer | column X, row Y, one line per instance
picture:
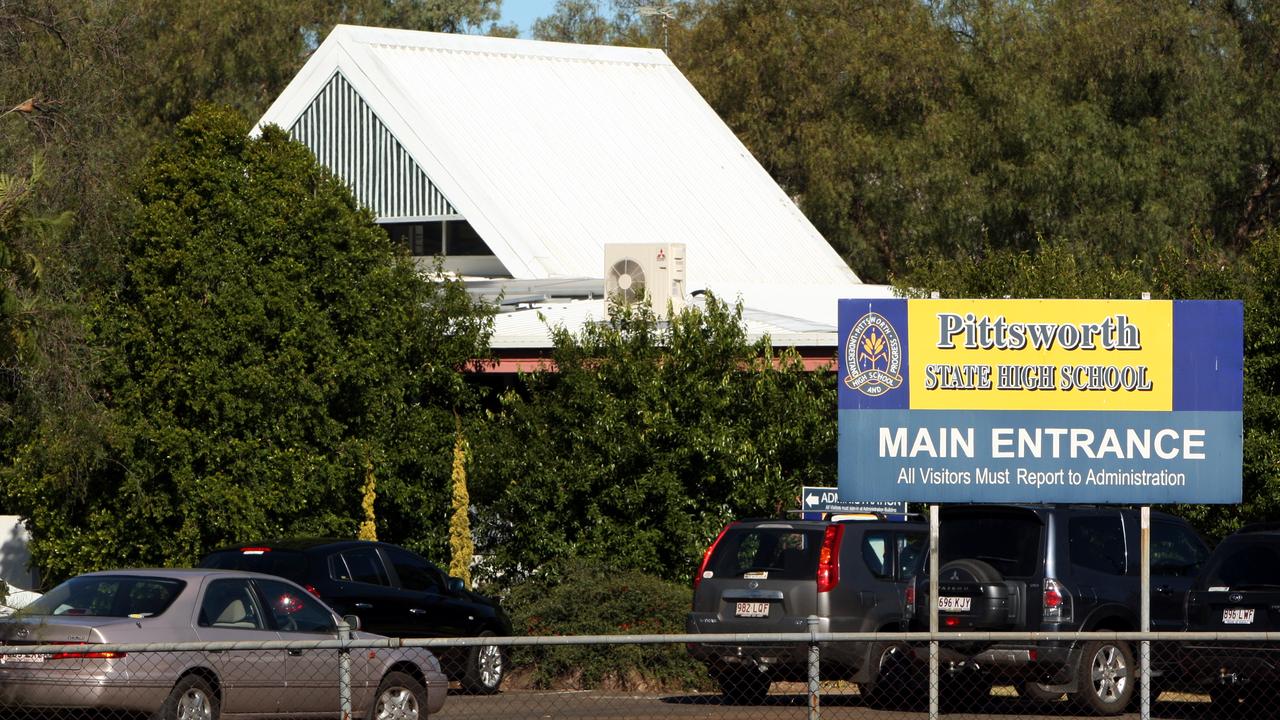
column 551, row 150
column 790, row 316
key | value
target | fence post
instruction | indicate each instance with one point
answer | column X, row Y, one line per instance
column 814, row 700
column 344, row 671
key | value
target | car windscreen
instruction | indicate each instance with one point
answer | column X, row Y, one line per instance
column 108, row 596
column 1008, row 541
column 1244, row 564
column 289, row 564
column 776, row 553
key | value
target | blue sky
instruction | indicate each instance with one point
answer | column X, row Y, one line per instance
column 524, row 12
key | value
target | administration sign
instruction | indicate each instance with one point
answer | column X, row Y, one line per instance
column 1099, row 401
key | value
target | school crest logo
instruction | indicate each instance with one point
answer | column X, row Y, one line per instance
column 873, row 356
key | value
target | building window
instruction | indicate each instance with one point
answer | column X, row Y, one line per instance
column 420, row 238
column 461, row 239
column 449, row 237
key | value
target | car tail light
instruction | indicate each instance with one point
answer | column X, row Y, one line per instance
column 311, row 589
column 78, row 654
column 706, row 557
column 829, row 559
column 255, row 550
column 910, row 609
column 1057, row 601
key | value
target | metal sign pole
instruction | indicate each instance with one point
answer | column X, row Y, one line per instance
column 934, row 677
column 1144, row 647
column 1144, row 661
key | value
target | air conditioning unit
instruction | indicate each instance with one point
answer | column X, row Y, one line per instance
column 652, row 272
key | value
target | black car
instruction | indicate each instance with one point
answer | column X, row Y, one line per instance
column 1058, row 569
column 393, row 591
column 769, row 576
column 1238, row 591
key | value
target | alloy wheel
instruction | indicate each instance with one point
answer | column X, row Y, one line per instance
column 194, row 705
column 1110, row 674
column 397, row 703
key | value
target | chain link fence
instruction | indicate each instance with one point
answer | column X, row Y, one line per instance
column 792, row 675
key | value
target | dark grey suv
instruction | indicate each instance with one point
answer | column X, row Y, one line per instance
column 769, row 576
column 1059, row 568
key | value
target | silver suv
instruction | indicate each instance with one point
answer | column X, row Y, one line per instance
column 769, row 576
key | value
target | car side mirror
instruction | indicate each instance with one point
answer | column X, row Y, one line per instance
column 353, row 621
column 455, row 585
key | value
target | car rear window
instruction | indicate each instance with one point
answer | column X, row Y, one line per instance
column 108, row 596
column 1241, row 565
column 1009, row 542
column 779, row 553
column 289, row 564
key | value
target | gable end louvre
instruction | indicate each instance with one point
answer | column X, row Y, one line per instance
column 347, row 137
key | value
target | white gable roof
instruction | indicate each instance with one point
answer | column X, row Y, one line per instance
column 550, row 150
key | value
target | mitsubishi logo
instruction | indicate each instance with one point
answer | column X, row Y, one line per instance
column 22, row 633
column 753, row 584
column 955, row 576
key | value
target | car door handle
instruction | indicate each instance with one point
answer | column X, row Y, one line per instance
column 417, row 611
column 295, row 653
column 363, row 606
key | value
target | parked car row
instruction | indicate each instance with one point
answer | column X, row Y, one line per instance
column 1002, row 568
column 296, row 590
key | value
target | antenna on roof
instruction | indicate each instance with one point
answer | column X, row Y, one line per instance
column 666, row 12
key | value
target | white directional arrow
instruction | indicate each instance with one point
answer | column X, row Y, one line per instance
column 811, row 500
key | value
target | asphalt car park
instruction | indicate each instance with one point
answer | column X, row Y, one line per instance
column 786, row 700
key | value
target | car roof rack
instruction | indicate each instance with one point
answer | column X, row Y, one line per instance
column 847, row 516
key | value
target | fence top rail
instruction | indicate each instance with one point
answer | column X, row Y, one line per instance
column 716, row 638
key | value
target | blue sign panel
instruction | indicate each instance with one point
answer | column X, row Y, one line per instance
column 1045, row 401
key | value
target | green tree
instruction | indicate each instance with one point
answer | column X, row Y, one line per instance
column 646, row 439
column 904, row 126
column 576, row 21
column 586, row 21
column 268, row 344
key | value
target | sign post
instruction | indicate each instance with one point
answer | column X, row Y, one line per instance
column 1040, row 402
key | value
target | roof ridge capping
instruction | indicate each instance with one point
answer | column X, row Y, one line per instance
column 462, row 42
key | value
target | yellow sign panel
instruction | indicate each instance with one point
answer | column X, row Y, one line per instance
column 1040, row 354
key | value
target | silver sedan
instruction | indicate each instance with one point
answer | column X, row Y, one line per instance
column 170, row 606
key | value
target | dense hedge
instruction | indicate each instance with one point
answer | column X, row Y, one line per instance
column 581, row 597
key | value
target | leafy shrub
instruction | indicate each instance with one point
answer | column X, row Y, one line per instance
column 581, row 597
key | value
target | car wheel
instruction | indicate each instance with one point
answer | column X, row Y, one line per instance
column 399, row 697
column 891, row 684
column 1106, row 677
column 191, row 699
column 486, row 664
column 746, row 686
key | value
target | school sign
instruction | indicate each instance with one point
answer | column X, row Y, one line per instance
column 1041, row 401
